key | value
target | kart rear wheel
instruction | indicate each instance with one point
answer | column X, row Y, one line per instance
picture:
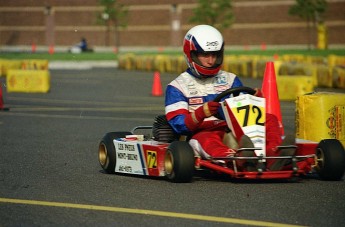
column 179, row 162
column 330, row 155
column 107, row 152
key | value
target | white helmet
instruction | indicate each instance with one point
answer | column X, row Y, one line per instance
column 203, row 39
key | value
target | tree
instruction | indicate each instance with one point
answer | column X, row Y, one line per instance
column 113, row 14
column 312, row 11
column 217, row 13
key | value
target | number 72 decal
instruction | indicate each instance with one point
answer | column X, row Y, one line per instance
column 249, row 115
column 151, row 159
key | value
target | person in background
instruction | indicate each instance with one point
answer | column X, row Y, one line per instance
column 80, row 47
column 83, row 45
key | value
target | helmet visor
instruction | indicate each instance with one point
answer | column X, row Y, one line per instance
column 218, row 54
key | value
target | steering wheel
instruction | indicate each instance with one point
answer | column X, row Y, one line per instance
column 235, row 91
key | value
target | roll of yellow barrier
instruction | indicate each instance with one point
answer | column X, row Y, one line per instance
column 321, row 116
column 290, row 87
column 2, row 68
column 319, row 60
column 129, row 62
column 7, row 65
column 334, row 60
column 260, row 69
column 293, row 58
column 38, row 64
column 181, row 64
column 28, row 81
column 338, row 75
column 324, row 76
column 163, row 63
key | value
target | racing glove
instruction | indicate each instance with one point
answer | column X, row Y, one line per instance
column 194, row 119
column 258, row 92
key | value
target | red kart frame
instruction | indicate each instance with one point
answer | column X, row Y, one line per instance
column 160, row 152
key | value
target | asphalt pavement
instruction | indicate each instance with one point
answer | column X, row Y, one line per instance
column 50, row 175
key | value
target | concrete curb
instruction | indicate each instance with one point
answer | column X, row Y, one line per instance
column 79, row 65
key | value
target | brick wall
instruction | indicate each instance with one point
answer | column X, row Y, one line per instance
column 24, row 22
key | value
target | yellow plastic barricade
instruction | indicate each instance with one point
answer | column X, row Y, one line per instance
column 28, row 81
column 319, row 60
column 338, row 77
column 159, row 63
column 293, row 58
column 37, row 64
column 7, row 65
column 321, row 116
column 127, row 61
column 324, row 76
column 290, row 87
column 334, row 60
column 181, row 64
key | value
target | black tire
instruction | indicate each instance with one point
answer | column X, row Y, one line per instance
column 106, row 150
column 179, row 162
column 330, row 160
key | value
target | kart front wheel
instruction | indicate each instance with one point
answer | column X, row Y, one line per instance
column 330, row 155
column 179, row 162
column 106, row 150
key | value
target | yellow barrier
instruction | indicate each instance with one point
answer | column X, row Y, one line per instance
column 324, row 76
column 334, row 60
column 35, row 64
column 316, row 60
column 181, row 64
column 321, row 73
column 290, row 87
column 338, row 77
column 162, row 63
column 28, row 81
column 297, row 69
column 127, row 61
column 8, row 65
column 293, row 58
column 259, row 65
column 321, row 116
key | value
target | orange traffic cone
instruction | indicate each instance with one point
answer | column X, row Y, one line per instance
column 270, row 92
column 51, row 49
column 33, row 48
column 157, row 86
column 2, row 101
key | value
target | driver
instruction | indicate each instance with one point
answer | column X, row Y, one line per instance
column 188, row 102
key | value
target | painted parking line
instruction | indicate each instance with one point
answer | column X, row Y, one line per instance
column 145, row 212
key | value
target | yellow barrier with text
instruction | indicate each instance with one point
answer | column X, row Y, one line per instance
column 321, row 116
column 7, row 65
column 38, row 64
column 28, row 81
column 338, row 77
column 290, row 87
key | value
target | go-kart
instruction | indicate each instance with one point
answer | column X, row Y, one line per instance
column 158, row 151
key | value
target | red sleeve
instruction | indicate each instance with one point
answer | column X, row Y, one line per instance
column 273, row 133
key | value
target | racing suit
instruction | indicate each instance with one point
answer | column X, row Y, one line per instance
column 184, row 95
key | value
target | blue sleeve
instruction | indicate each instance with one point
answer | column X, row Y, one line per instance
column 173, row 95
column 237, row 83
